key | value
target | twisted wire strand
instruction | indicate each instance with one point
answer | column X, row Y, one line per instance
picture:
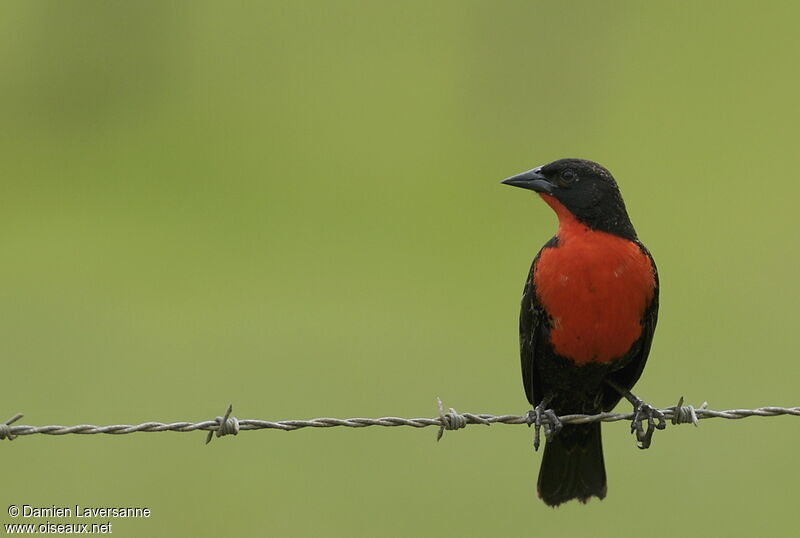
column 450, row 420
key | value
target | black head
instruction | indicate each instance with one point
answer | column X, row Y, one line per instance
column 585, row 189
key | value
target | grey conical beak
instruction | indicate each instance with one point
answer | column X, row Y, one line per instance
column 531, row 180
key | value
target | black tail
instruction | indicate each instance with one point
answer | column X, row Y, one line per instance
column 572, row 465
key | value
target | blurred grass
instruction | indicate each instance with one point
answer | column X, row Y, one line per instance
column 295, row 208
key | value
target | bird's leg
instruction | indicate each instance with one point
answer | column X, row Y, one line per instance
column 534, row 418
column 640, row 411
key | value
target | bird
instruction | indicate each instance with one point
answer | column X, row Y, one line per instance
column 588, row 314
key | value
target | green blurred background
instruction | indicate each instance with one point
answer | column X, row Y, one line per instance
column 295, row 207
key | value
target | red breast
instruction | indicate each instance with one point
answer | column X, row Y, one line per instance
column 595, row 286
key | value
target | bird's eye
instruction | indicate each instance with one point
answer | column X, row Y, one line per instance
column 568, row 176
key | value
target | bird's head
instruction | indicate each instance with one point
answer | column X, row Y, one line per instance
column 580, row 189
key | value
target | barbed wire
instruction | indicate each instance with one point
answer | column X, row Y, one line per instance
column 447, row 420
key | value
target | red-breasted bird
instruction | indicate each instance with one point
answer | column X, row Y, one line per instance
column 589, row 310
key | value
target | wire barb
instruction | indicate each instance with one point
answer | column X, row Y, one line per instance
column 683, row 414
column 226, row 425
column 450, row 420
column 5, row 427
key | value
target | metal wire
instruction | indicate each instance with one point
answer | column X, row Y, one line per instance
column 450, row 420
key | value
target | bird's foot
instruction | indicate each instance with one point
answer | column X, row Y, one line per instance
column 642, row 411
column 551, row 427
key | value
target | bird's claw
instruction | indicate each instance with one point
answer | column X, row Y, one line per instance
column 551, row 427
column 641, row 411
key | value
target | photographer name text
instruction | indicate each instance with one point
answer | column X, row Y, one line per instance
column 54, row 511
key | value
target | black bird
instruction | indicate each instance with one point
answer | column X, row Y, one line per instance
column 589, row 310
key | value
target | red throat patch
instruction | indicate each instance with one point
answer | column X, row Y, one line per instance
column 595, row 286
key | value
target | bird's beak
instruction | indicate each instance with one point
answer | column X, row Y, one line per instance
column 532, row 180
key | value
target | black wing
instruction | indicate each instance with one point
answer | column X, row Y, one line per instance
column 533, row 323
column 627, row 376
